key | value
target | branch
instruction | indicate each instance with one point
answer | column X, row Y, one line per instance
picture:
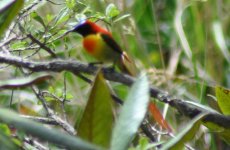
column 59, row 65
column 43, row 46
column 42, row 120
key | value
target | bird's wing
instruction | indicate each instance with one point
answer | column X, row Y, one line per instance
column 112, row 43
column 125, row 64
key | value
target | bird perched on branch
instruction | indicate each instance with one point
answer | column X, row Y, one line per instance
column 99, row 43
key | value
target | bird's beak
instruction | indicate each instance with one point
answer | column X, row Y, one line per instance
column 75, row 28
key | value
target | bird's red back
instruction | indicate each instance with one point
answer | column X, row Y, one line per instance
column 97, row 28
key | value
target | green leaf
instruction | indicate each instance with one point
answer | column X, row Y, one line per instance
column 122, row 17
column 185, row 135
column 70, row 3
column 97, row 121
column 224, row 133
column 8, row 10
column 7, row 143
column 131, row 115
column 4, row 129
column 223, row 99
column 62, row 17
column 49, row 18
column 6, row 140
column 46, row 134
column 69, row 96
column 112, row 11
column 18, row 44
column 38, row 18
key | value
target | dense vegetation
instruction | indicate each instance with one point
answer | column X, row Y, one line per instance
column 181, row 49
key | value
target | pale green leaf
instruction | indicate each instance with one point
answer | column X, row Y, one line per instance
column 131, row 115
column 62, row 17
column 122, row 17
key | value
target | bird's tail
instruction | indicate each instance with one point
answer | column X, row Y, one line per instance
column 127, row 65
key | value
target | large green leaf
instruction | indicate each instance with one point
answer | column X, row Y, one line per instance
column 223, row 99
column 5, row 138
column 37, row 130
column 8, row 10
column 131, row 115
column 97, row 121
column 185, row 135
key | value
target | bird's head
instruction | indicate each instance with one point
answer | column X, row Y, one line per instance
column 87, row 27
column 84, row 28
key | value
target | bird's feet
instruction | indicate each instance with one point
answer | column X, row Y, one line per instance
column 110, row 69
column 95, row 63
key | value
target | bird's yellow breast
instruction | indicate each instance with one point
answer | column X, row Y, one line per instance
column 93, row 44
column 96, row 46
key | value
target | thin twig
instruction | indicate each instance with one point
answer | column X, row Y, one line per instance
column 42, row 120
column 43, row 46
column 35, row 144
column 64, row 99
column 43, row 101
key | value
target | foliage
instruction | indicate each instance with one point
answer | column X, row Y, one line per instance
column 96, row 125
column 183, row 46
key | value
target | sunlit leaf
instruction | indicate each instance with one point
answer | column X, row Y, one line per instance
column 131, row 115
column 112, row 11
column 70, row 3
column 223, row 99
column 19, row 44
column 185, row 135
column 49, row 17
column 97, row 120
column 44, row 133
column 8, row 10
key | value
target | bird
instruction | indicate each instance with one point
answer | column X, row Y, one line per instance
column 100, row 44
